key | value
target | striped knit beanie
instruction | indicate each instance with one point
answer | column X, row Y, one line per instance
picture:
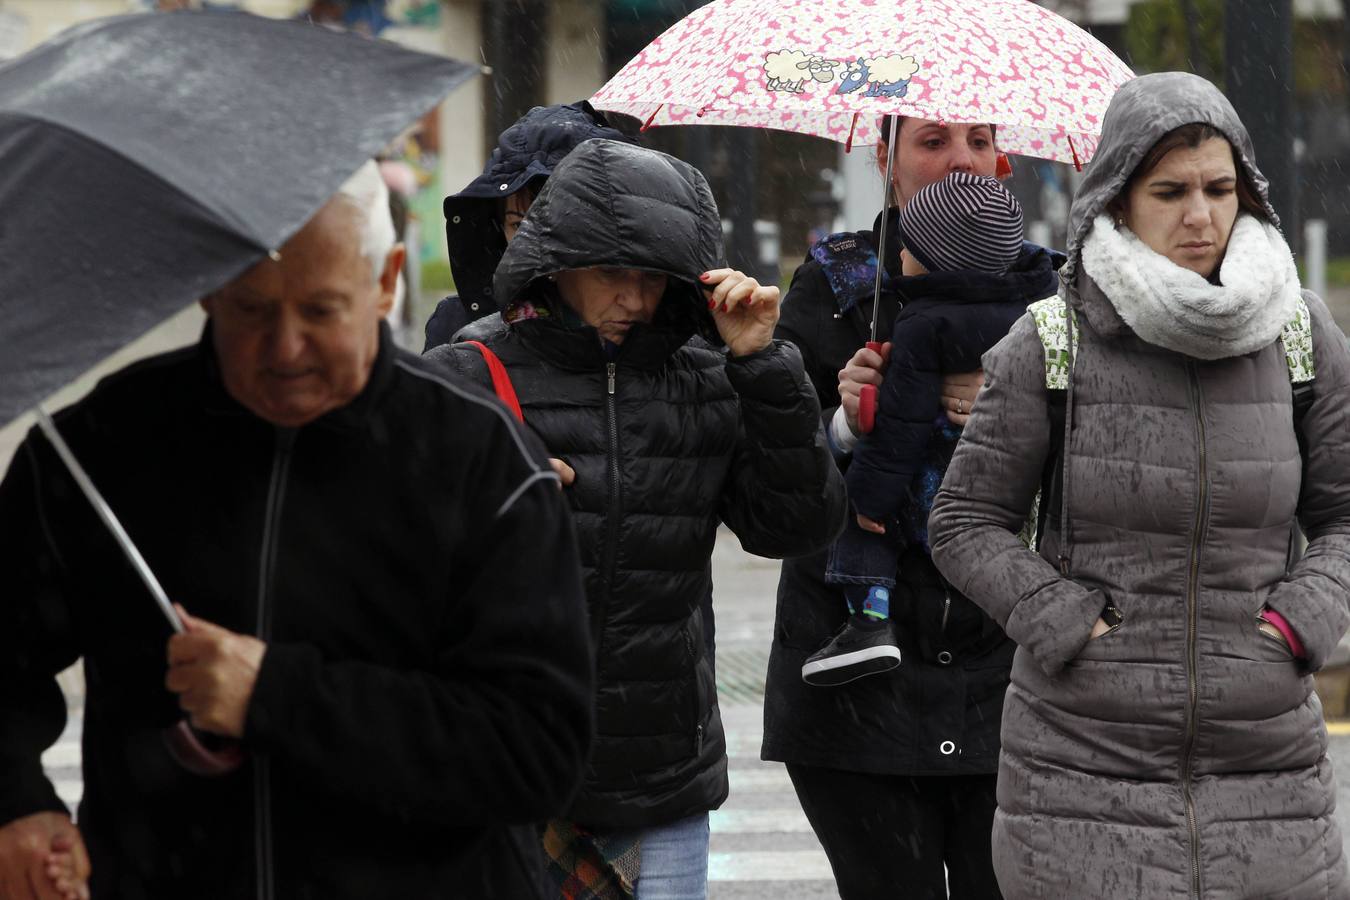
column 963, row 221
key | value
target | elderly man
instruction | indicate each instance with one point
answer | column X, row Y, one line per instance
column 385, row 609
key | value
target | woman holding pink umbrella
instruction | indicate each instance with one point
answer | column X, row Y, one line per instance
column 896, row 773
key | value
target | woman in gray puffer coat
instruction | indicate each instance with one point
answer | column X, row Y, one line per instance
column 1161, row 737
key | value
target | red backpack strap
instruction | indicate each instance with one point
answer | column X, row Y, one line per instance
column 501, row 382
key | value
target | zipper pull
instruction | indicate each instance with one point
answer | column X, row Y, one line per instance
column 609, row 370
column 698, row 740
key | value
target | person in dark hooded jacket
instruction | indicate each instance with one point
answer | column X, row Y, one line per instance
column 658, row 439
column 483, row 218
column 961, row 236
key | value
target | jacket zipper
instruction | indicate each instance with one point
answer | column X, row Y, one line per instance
column 611, row 548
column 698, row 724
column 262, row 773
column 1192, row 613
column 615, row 509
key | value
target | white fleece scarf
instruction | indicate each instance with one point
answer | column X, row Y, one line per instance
column 1179, row 309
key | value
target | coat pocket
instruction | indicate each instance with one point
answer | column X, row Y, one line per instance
column 1102, row 646
column 1270, row 647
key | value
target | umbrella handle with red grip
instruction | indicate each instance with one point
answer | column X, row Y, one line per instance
column 867, row 399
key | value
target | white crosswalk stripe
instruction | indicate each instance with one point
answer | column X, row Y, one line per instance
column 760, row 821
column 772, row 865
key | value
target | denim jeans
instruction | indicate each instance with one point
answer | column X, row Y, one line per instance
column 864, row 557
column 674, row 860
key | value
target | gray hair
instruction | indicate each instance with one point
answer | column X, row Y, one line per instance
column 365, row 191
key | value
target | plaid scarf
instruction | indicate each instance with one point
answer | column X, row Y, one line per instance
column 586, row 866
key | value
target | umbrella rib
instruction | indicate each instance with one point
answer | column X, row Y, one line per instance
column 109, row 518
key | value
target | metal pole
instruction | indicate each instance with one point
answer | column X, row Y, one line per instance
column 109, row 518
column 881, row 232
column 1315, row 256
column 742, row 146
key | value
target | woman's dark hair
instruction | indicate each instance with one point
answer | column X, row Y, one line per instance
column 1191, row 136
column 530, row 190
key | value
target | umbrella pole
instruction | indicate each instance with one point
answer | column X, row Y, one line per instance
column 867, row 396
column 105, row 513
column 885, row 216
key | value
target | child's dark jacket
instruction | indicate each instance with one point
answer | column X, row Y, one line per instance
column 946, row 323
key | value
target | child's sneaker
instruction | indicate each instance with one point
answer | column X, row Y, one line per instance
column 863, row 647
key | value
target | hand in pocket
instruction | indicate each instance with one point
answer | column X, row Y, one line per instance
column 1271, row 631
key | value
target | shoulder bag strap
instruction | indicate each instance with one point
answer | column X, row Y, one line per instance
column 501, row 381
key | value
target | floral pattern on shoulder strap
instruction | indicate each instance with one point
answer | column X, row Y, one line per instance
column 1297, row 339
column 1048, row 315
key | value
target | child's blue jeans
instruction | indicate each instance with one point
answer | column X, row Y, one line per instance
column 864, row 558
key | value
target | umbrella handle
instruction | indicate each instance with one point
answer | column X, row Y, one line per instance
column 867, row 408
column 202, row 754
column 867, row 399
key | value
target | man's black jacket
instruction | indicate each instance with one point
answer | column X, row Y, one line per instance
column 426, row 691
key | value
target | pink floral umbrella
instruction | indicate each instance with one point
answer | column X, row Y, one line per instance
column 831, row 69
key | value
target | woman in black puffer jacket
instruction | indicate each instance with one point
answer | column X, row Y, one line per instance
column 608, row 340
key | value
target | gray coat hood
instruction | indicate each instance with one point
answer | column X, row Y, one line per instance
column 1142, row 111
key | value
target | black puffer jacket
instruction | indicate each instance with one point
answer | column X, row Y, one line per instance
column 901, row 722
column 525, row 155
column 667, row 439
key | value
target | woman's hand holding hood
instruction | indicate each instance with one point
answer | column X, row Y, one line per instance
column 744, row 311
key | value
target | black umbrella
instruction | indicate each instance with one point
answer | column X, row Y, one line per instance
column 145, row 160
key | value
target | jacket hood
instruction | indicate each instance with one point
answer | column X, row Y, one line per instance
column 533, row 147
column 1141, row 113
column 526, row 152
column 614, row 204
